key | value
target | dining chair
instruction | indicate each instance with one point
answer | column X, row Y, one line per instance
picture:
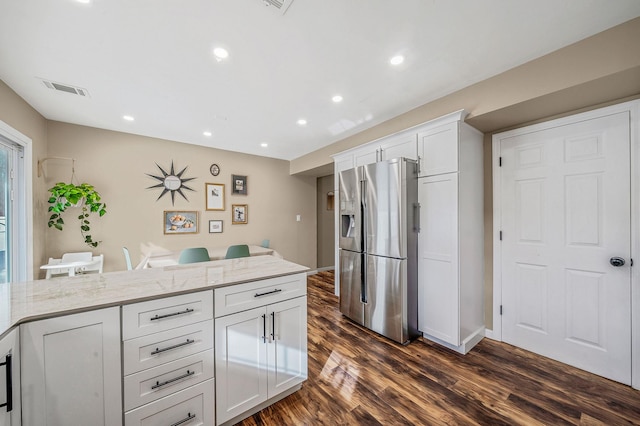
column 241, row 250
column 193, row 255
column 127, row 258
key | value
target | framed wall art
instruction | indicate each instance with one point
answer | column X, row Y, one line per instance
column 240, row 214
column 180, row 222
column 215, row 226
column 214, row 193
column 238, row 185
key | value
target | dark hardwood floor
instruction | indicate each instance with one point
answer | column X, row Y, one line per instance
column 358, row 377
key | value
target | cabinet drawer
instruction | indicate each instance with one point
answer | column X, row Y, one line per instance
column 143, row 318
column 192, row 406
column 155, row 383
column 159, row 348
column 241, row 297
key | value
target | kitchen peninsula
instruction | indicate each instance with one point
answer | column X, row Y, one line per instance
column 147, row 345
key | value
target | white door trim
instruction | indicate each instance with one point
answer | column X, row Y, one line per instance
column 633, row 107
column 24, row 197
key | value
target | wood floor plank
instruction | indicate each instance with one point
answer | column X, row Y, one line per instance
column 357, row 377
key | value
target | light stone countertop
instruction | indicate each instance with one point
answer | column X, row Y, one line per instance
column 33, row 300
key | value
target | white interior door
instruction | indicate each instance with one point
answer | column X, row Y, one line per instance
column 565, row 212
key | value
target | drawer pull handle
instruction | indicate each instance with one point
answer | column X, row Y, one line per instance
column 175, row 379
column 186, row 311
column 277, row 290
column 179, row 345
column 185, row 420
column 8, row 382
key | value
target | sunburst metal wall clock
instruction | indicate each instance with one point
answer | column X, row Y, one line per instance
column 171, row 182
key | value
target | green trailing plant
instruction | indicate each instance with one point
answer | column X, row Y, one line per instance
column 65, row 195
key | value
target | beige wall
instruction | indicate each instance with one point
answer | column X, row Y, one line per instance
column 117, row 163
column 18, row 114
column 326, row 224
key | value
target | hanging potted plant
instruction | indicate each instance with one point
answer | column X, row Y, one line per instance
column 65, row 195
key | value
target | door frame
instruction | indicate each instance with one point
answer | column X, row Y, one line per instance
column 23, row 199
column 633, row 107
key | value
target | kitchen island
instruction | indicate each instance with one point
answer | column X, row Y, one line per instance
column 150, row 335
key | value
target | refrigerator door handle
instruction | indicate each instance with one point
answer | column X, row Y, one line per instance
column 363, row 282
column 416, row 217
column 363, row 215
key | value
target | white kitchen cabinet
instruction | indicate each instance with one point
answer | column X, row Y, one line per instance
column 395, row 146
column 450, row 243
column 167, row 352
column 71, row 371
column 10, row 379
column 261, row 352
column 438, row 150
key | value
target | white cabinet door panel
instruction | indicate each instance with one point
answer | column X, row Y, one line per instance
column 241, row 359
column 400, row 146
column 366, row 156
column 71, row 369
column 438, row 287
column 287, row 348
column 438, row 150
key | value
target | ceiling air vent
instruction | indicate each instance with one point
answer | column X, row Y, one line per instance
column 66, row 88
column 279, row 6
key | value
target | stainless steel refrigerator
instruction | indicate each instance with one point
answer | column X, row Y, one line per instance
column 379, row 247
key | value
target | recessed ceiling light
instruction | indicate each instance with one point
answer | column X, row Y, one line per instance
column 337, row 99
column 220, row 53
column 264, row 144
column 396, row 60
column 128, row 118
column 84, row 1
column 207, row 133
column 302, row 122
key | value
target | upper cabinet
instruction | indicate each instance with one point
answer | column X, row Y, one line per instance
column 438, row 150
column 398, row 145
column 402, row 145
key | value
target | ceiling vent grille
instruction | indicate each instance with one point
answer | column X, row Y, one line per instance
column 66, row 88
column 279, row 6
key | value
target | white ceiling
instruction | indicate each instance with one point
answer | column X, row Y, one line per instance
column 152, row 59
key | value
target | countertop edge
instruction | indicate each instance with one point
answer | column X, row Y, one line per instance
column 137, row 299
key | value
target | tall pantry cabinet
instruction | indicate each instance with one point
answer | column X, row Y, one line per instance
column 450, row 244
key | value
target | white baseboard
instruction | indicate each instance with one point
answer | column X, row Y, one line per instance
column 466, row 345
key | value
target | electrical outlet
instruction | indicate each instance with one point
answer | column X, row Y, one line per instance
column 298, row 218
